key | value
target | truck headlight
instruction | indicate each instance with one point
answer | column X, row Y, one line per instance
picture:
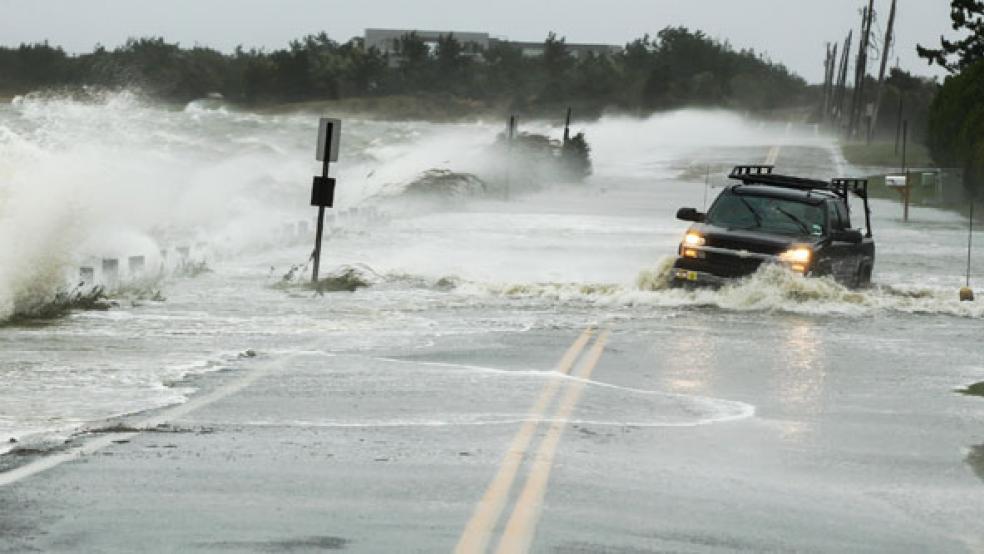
column 690, row 247
column 694, row 239
column 798, row 257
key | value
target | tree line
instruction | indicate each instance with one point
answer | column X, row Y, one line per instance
column 677, row 67
column 956, row 116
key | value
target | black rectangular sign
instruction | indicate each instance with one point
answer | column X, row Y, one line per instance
column 323, row 191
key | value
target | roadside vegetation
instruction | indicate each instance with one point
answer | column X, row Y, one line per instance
column 675, row 68
column 884, row 154
column 905, row 97
column 977, row 389
column 956, row 116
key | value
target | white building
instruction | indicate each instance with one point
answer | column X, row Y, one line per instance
column 387, row 41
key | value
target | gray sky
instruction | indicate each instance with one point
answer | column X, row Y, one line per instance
column 793, row 32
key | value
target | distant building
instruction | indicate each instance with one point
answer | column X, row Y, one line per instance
column 534, row 49
column 387, row 41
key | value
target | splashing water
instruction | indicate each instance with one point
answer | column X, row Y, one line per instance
column 112, row 176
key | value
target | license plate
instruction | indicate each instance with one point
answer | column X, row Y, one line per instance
column 691, row 275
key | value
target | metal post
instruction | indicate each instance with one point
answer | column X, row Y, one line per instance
column 970, row 240
column 905, row 169
column 905, row 141
column 509, row 148
column 898, row 126
column 320, row 230
column 906, row 194
column 567, row 126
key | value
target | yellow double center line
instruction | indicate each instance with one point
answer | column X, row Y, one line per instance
column 519, row 531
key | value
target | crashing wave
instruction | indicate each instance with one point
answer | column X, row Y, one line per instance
column 445, row 183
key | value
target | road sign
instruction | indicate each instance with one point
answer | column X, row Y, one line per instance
column 329, row 133
column 323, row 192
column 323, row 187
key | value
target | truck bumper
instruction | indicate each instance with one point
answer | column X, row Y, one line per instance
column 687, row 278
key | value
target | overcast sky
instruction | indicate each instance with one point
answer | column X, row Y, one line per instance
column 793, row 32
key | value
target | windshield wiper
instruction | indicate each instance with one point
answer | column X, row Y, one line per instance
column 753, row 211
column 802, row 224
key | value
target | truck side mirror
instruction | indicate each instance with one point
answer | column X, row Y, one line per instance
column 852, row 236
column 690, row 214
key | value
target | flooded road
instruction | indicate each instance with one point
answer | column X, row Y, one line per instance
column 416, row 414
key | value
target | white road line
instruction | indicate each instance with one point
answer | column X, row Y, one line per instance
column 93, row 445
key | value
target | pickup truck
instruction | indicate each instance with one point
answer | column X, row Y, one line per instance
column 802, row 224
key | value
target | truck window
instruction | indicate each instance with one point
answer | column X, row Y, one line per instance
column 840, row 219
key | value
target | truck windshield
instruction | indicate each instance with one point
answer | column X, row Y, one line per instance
column 764, row 213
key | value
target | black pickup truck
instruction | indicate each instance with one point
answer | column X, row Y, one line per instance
column 803, row 224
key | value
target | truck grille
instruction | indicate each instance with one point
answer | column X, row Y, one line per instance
column 733, row 244
column 722, row 265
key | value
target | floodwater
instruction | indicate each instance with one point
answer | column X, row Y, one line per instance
column 808, row 359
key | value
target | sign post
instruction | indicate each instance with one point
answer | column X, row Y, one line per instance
column 323, row 187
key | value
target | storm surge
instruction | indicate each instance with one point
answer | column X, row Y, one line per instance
column 100, row 175
column 108, row 177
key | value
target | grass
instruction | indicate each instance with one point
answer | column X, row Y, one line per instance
column 882, row 154
column 60, row 305
column 977, row 389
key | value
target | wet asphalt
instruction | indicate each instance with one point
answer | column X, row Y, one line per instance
column 370, row 452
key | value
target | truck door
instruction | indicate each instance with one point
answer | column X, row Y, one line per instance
column 845, row 256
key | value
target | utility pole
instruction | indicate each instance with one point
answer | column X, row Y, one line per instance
column 832, row 75
column 861, row 69
column 826, row 85
column 881, row 73
column 842, row 79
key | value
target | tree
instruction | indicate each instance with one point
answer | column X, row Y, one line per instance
column 452, row 64
column 506, row 72
column 956, row 117
column 556, row 62
column 675, row 68
column 966, row 15
column 956, row 125
column 364, row 70
column 414, row 62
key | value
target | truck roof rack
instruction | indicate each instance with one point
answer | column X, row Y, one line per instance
column 841, row 186
column 751, row 170
column 844, row 186
column 762, row 174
